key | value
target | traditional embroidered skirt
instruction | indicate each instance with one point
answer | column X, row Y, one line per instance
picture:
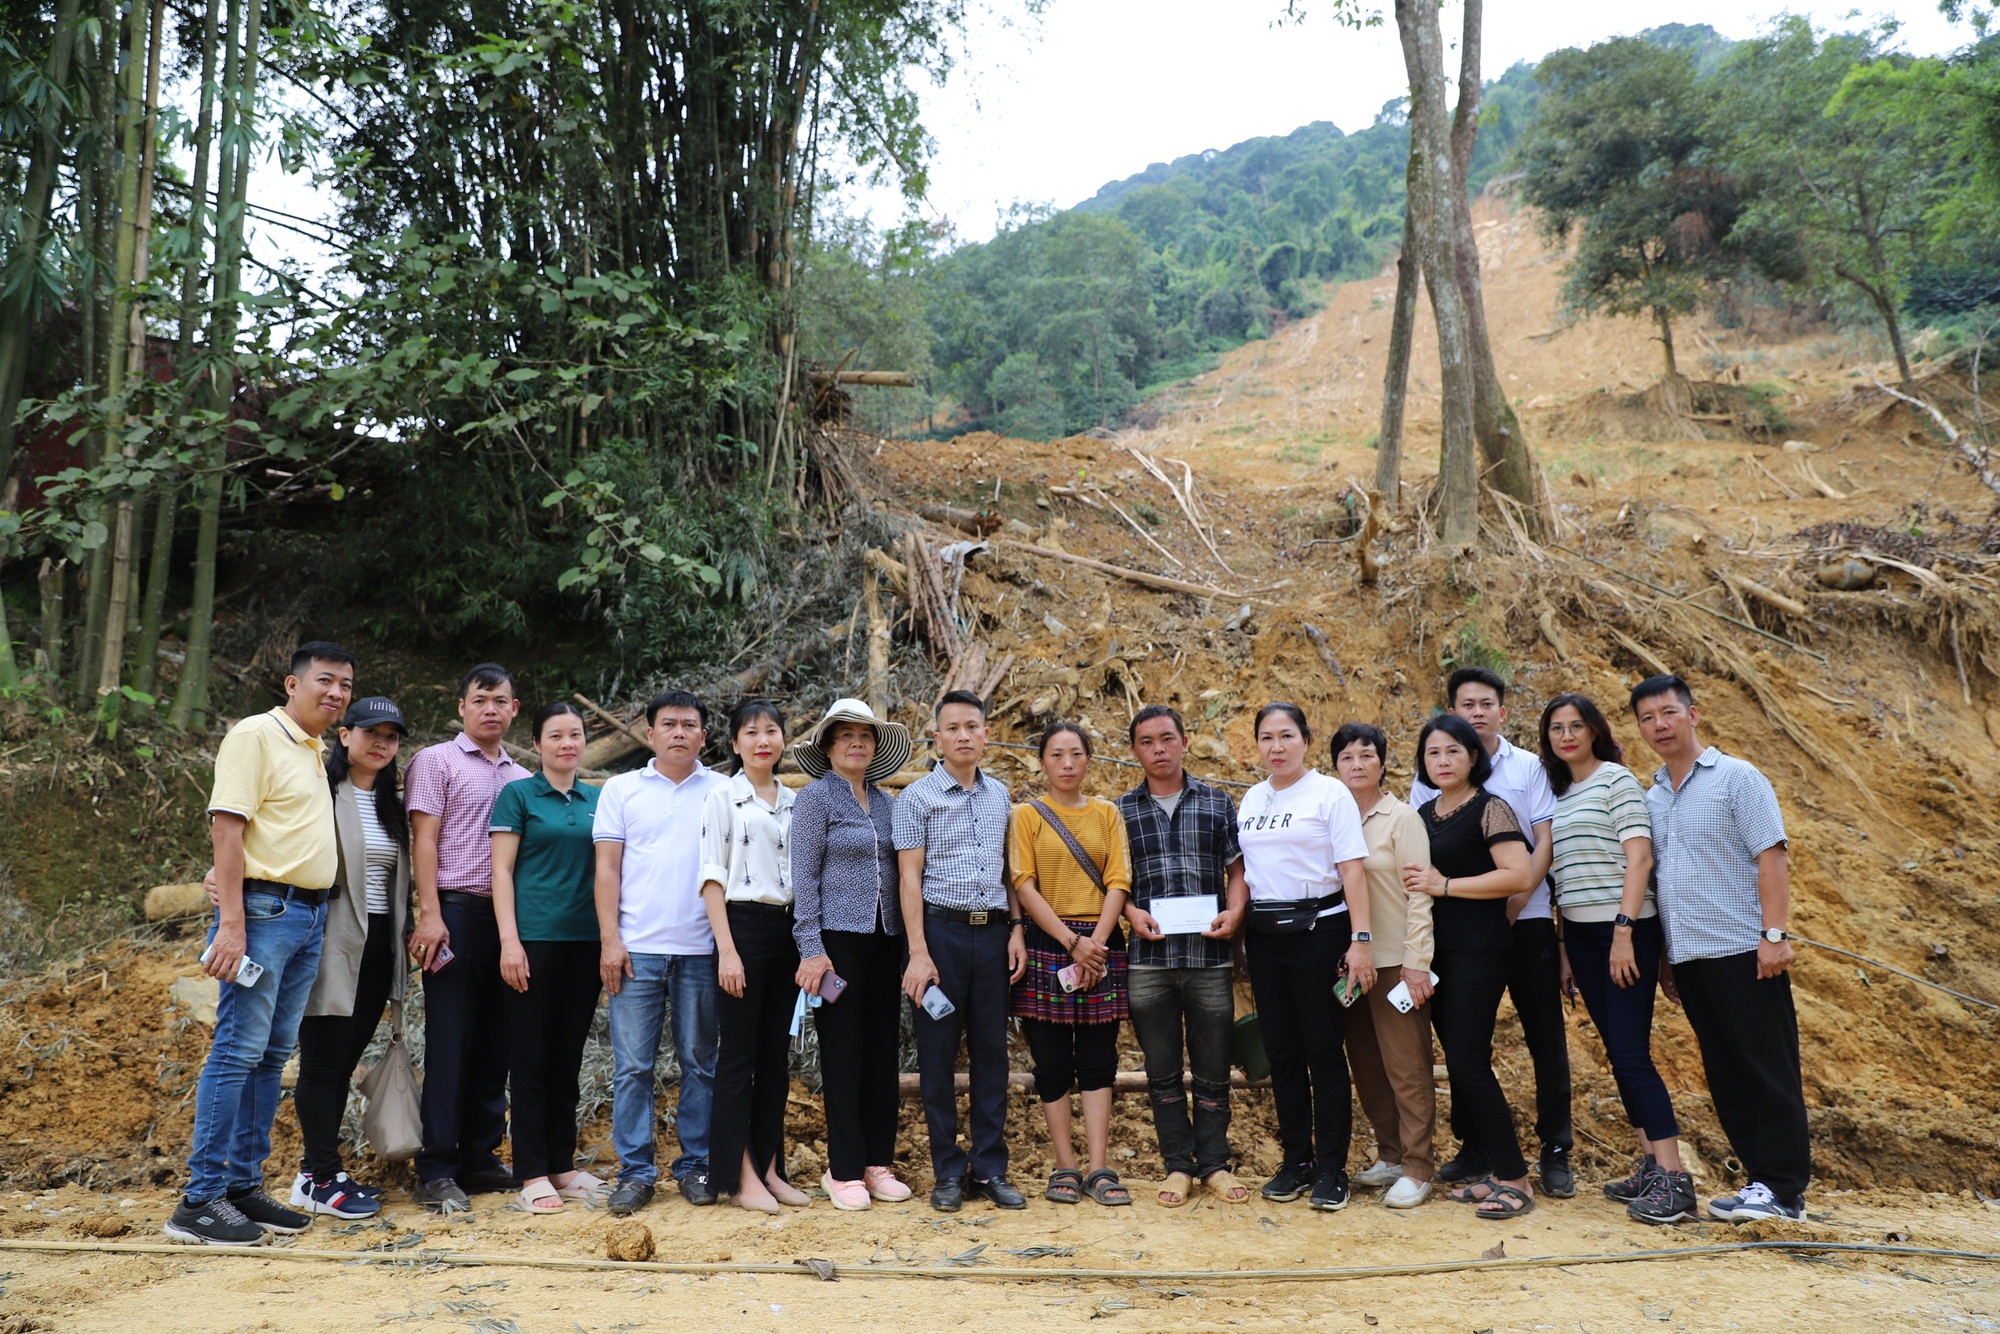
column 1039, row 995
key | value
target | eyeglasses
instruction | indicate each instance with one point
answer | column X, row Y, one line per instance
column 1569, row 729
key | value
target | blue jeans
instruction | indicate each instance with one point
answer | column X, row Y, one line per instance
column 255, row 1031
column 686, row 985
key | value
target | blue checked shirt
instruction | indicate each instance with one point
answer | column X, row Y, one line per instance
column 1187, row 854
column 963, row 833
column 1706, row 838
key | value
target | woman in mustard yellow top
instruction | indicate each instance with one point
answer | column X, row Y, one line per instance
column 1072, row 904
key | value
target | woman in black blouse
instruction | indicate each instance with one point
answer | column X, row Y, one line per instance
column 1479, row 858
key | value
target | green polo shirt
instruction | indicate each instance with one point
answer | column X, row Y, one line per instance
column 555, row 871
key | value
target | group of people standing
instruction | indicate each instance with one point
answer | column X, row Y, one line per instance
column 733, row 906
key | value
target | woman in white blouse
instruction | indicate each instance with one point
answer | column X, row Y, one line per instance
column 746, row 871
column 1303, row 855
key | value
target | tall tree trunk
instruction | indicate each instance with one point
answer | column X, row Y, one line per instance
column 100, row 301
column 129, row 361
column 1671, row 365
column 1502, row 444
column 17, row 315
column 197, row 218
column 238, row 111
column 49, row 657
column 1431, row 204
column 145, row 677
column 1396, row 380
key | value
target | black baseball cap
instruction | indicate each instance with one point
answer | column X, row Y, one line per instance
column 375, row 709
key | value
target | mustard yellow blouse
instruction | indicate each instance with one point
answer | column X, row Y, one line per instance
column 1037, row 852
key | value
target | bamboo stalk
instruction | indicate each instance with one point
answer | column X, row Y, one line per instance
column 1768, row 596
column 1159, row 581
column 878, row 641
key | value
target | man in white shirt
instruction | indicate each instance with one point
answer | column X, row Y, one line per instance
column 658, row 950
column 1480, row 697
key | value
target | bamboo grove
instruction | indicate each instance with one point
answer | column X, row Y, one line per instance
column 556, row 349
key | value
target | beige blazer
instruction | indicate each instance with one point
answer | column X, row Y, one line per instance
column 1399, row 920
column 347, row 913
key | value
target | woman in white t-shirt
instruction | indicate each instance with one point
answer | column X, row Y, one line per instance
column 1303, row 852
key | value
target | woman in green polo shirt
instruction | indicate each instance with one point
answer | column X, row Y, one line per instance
column 544, row 874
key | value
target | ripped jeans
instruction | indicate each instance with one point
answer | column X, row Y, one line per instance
column 1191, row 1008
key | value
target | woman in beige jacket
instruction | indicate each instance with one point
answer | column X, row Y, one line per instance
column 1388, row 1046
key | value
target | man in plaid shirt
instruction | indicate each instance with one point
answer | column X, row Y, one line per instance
column 1183, row 840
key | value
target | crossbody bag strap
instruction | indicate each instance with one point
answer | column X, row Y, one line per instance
column 396, row 1021
column 1069, row 841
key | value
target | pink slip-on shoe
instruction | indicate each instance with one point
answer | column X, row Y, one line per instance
column 882, row 1184
column 844, row 1194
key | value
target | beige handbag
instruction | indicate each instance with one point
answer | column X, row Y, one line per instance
column 392, row 1119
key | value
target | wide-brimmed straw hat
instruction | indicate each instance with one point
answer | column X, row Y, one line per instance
column 892, row 741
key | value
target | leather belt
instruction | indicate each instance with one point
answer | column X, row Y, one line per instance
column 466, row 899
column 970, row 916
column 280, row 889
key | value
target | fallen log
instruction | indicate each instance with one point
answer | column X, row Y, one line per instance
column 977, row 522
column 1318, row 638
column 882, row 379
column 1125, row 1081
column 1159, row 581
column 1767, row 595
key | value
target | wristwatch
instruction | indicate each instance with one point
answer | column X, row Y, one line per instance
column 1364, row 937
column 1621, row 920
column 1777, row 935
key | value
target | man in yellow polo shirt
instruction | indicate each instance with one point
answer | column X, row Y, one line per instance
column 275, row 862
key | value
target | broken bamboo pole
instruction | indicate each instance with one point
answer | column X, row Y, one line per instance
column 1765, row 594
column 1159, row 581
column 878, row 640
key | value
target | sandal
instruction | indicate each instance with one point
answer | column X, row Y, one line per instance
column 1178, row 1186
column 1224, row 1184
column 541, row 1198
column 1463, row 1194
column 584, row 1186
column 1065, row 1186
column 1512, row 1202
column 1104, row 1187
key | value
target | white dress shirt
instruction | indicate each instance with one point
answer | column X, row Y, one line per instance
column 746, row 843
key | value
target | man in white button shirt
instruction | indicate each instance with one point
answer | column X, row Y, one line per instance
column 658, row 950
column 1480, row 697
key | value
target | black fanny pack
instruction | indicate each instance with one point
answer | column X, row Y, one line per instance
column 1289, row 917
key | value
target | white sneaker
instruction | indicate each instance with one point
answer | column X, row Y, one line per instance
column 1407, row 1193
column 1376, row 1177
column 1758, row 1201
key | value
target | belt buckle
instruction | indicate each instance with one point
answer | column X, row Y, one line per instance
column 977, row 916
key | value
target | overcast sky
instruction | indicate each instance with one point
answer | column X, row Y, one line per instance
column 1096, row 90
column 1047, row 110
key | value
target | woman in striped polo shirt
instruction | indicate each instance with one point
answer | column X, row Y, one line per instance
column 1612, row 941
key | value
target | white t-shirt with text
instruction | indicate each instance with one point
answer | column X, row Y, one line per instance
column 1294, row 839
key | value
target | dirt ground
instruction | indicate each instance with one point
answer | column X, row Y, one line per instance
column 1879, row 726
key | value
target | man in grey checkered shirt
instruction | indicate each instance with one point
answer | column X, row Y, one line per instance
column 1724, row 894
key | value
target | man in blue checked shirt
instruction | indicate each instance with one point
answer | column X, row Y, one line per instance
column 1725, row 894
column 1183, row 840
column 966, row 942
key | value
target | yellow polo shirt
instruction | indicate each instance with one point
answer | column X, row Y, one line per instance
column 271, row 773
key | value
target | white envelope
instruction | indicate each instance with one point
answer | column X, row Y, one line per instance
column 1184, row 914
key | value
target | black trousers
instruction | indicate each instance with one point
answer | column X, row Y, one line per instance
column 1079, row 1056
column 858, row 1039
column 331, row 1045
column 753, row 1046
column 465, row 1048
column 1292, row 978
column 547, row 1026
column 1749, row 1038
column 1470, row 984
column 1534, row 981
column 971, row 964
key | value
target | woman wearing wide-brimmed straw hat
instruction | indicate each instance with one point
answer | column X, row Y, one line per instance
column 849, row 925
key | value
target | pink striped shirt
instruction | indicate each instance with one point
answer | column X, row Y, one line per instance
column 454, row 781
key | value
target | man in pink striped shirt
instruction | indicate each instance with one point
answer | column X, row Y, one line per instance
column 450, row 794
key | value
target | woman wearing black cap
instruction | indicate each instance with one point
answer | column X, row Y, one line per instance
column 358, row 968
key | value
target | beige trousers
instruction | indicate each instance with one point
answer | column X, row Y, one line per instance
column 1389, row 1054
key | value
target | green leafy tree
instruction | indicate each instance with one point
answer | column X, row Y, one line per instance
column 1854, row 181
column 1620, row 154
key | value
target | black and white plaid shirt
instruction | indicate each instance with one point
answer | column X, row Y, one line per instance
column 1189, row 853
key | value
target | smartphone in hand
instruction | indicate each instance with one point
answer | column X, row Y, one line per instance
column 936, row 1004
column 831, row 984
column 437, row 961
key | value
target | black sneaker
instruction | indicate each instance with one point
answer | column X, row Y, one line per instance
column 1290, row 1182
column 1669, row 1198
column 442, row 1195
column 1466, row 1167
column 1632, row 1187
column 696, row 1188
column 340, row 1195
column 1558, row 1179
column 268, row 1214
column 629, row 1198
column 1000, row 1192
column 217, row 1223
column 1329, row 1194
